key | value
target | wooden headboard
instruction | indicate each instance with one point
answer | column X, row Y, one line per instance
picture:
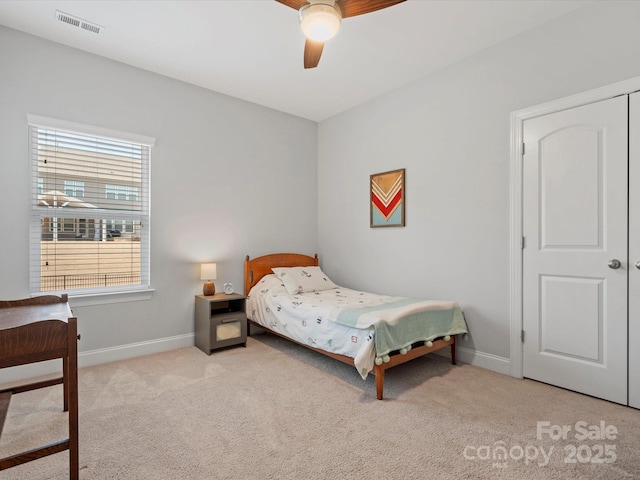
column 257, row 268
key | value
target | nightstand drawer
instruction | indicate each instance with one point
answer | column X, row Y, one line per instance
column 228, row 329
column 225, row 325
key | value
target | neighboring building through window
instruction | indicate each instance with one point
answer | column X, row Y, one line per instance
column 90, row 208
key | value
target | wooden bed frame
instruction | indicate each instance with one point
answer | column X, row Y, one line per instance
column 257, row 268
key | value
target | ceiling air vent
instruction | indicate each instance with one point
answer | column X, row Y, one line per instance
column 91, row 27
column 77, row 22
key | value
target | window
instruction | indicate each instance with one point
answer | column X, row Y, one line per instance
column 120, row 226
column 121, row 192
column 74, row 188
column 90, row 225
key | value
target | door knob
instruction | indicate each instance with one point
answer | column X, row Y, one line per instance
column 615, row 263
column 638, row 264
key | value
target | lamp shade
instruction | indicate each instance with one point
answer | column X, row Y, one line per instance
column 208, row 271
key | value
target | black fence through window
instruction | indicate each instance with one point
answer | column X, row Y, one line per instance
column 88, row 280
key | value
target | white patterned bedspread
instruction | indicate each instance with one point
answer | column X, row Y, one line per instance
column 340, row 320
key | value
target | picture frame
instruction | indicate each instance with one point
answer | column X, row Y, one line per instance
column 387, row 198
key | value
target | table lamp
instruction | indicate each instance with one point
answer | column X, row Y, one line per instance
column 208, row 274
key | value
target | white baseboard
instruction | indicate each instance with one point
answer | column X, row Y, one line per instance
column 485, row 360
column 96, row 357
column 479, row 359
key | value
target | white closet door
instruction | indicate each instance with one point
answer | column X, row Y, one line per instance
column 575, row 226
column 634, row 250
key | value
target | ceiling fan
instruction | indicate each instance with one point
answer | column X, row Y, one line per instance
column 321, row 19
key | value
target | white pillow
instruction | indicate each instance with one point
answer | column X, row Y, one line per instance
column 303, row 279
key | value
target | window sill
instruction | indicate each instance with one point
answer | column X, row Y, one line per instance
column 111, row 297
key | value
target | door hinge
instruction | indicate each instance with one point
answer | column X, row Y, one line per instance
column 523, row 241
column 522, row 336
column 522, row 149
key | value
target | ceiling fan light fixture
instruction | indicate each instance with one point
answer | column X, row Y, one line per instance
column 320, row 21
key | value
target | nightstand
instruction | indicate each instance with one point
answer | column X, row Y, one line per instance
column 221, row 321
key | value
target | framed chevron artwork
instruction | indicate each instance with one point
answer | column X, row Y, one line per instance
column 387, row 199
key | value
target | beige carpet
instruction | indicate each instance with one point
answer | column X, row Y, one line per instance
column 274, row 410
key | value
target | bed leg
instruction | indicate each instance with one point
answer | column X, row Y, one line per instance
column 379, row 381
column 453, row 351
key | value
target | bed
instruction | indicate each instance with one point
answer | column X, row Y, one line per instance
column 290, row 296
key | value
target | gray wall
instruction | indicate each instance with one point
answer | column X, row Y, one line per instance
column 451, row 131
column 229, row 178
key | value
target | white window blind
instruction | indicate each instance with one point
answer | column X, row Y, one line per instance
column 83, row 238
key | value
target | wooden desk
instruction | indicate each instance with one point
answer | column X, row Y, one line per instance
column 34, row 330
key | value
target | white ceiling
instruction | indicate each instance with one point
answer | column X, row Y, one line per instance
column 252, row 49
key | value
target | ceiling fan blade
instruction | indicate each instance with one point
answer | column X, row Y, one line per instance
column 351, row 8
column 312, row 52
column 297, row 4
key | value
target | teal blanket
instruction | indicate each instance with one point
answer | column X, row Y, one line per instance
column 403, row 322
